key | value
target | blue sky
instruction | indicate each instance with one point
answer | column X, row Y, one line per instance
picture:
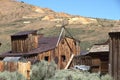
column 109, row 9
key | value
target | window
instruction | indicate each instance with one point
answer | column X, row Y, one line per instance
column 46, row 58
column 63, row 57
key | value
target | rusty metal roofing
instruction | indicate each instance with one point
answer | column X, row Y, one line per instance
column 45, row 44
column 24, row 33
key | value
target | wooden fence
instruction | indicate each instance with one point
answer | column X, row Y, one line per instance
column 21, row 67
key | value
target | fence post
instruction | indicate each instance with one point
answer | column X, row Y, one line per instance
column 2, row 64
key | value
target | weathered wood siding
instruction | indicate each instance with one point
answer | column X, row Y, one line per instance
column 62, row 53
column 96, row 64
column 114, row 58
column 82, row 60
column 24, row 43
column 21, row 67
column 48, row 55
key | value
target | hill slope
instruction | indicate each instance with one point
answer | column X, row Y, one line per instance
column 18, row 16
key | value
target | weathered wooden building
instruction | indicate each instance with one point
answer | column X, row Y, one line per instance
column 100, row 58
column 31, row 46
column 97, row 58
column 114, row 58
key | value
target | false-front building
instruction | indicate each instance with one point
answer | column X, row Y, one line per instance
column 31, row 46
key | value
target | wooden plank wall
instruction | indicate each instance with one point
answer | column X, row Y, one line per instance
column 23, row 68
column 24, row 43
column 96, row 65
column 65, row 48
column 104, row 67
column 114, row 58
column 82, row 60
column 2, row 66
column 48, row 54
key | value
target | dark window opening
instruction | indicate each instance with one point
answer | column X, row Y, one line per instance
column 63, row 57
column 46, row 58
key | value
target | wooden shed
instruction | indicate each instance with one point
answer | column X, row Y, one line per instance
column 100, row 58
column 114, row 58
column 31, row 46
column 97, row 58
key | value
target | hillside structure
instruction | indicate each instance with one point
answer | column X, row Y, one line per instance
column 31, row 46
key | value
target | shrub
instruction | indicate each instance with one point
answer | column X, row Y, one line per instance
column 43, row 70
column 47, row 71
column 78, row 75
column 106, row 77
column 11, row 76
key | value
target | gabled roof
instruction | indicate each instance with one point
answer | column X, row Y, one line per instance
column 25, row 33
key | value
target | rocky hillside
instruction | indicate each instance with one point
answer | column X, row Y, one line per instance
column 18, row 16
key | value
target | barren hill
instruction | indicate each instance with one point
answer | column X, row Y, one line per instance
column 18, row 16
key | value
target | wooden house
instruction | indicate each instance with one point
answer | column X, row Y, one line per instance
column 97, row 58
column 114, row 58
column 31, row 46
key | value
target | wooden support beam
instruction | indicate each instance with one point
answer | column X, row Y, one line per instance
column 68, row 64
